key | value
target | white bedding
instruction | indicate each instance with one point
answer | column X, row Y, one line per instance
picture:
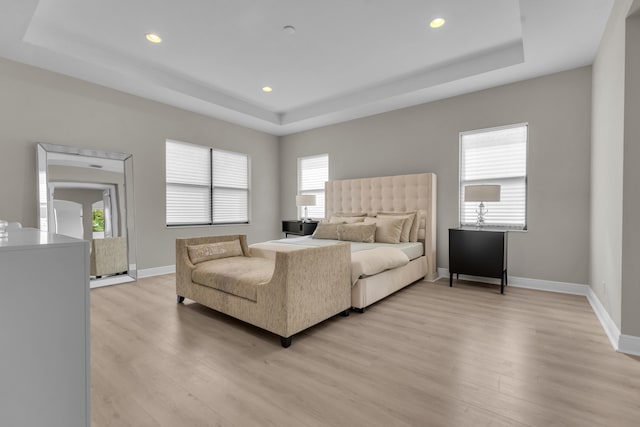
column 373, row 261
column 367, row 259
column 412, row 249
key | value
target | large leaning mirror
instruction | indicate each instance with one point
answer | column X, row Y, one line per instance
column 88, row 194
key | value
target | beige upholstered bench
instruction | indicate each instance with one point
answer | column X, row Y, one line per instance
column 284, row 295
column 108, row 256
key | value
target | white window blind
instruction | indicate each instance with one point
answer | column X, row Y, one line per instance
column 313, row 172
column 230, row 187
column 496, row 156
column 205, row 186
column 188, row 169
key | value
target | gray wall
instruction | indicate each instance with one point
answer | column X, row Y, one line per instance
column 615, row 230
column 424, row 138
column 631, row 199
column 607, row 144
column 40, row 106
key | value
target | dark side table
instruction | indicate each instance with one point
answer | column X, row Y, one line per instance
column 478, row 252
column 298, row 227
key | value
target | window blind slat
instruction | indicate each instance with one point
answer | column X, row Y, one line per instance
column 495, row 156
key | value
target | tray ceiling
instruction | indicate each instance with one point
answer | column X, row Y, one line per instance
column 342, row 60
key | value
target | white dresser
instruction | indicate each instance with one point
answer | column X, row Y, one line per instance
column 44, row 330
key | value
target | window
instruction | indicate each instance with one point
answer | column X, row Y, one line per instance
column 496, row 156
column 188, row 184
column 206, row 186
column 97, row 220
column 230, row 187
column 313, row 172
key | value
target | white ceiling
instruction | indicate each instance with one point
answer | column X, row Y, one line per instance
column 346, row 59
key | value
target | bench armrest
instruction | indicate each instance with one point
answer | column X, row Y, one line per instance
column 309, row 285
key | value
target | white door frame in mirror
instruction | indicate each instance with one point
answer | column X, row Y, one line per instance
column 89, row 159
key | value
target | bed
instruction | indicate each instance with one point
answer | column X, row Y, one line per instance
column 393, row 196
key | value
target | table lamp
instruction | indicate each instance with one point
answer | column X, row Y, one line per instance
column 481, row 193
column 305, row 200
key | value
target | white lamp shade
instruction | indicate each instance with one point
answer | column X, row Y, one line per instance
column 482, row 193
column 306, row 200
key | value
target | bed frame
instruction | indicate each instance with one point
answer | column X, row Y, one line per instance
column 402, row 193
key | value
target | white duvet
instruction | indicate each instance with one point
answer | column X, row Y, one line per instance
column 374, row 261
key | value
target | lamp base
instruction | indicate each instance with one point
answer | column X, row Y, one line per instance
column 481, row 212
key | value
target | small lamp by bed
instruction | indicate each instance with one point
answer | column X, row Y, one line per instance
column 305, row 200
column 481, row 193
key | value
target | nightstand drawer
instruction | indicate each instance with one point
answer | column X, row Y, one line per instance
column 298, row 227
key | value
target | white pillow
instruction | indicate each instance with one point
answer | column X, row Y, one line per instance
column 345, row 219
column 349, row 214
column 326, row 231
column 359, row 232
column 212, row 251
column 388, row 230
column 410, row 228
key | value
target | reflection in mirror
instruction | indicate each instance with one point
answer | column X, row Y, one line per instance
column 88, row 194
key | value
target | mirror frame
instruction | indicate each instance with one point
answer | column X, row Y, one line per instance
column 45, row 203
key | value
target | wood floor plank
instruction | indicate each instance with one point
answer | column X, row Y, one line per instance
column 428, row 355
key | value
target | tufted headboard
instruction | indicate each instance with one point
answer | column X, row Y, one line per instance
column 401, row 193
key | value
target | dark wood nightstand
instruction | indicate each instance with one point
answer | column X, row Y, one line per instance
column 298, row 227
column 478, row 252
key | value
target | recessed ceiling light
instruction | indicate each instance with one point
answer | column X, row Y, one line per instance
column 437, row 22
column 289, row 29
column 154, row 38
column 267, row 89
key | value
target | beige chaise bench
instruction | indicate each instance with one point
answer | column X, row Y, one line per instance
column 284, row 295
column 108, row 256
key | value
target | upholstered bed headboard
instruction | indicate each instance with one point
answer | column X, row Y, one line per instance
column 401, row 193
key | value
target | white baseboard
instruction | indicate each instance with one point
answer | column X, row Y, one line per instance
column 110, row 280
column 550, row 286
column 156, row 271
column 609, row 326
column 523, row 282
column 628, row 344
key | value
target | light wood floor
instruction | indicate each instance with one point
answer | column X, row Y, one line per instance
column 429, row 355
